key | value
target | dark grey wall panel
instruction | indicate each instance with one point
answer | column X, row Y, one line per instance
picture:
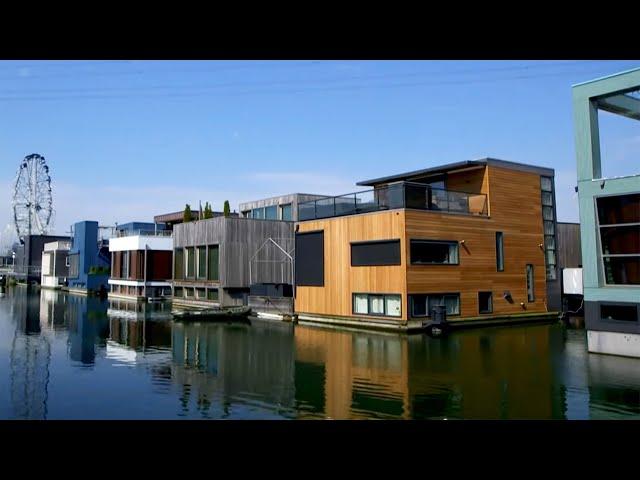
column 569, row 249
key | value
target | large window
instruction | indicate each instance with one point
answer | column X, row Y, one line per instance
column 530, row 280
column 379, row 305
column 271, row 213
column 621, row 312
column 386, row 252
column 191, row 262
column 286, row 212
column 309, row 266
column 258, row 213
column 421, row 305
column 619, row 225
column 178, row 264
column 202, row 262
column 213, row 272
column 499, row 252
column 548, row 219
column 74, row 265
column 428, row 252
column 124, row 266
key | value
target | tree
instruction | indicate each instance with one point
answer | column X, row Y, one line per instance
column 227, row 209
column 186, row 217
column 208, row 211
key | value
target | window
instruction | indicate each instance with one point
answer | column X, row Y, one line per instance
column 422, row 304
column 202, row 262
column 74, row 265
column 530, row 279
column 380, row 305
column 213, row 272
column 286, row 212
column 246, row 213
column 499, row 252
column 386, row 252
column 124, row 267
column 548, row 218
column 178, row 264
column 309, row 266
column 258, row 213
column 189, row 292
column 271, row 213
column 619, row 228
column 178, row 292
column 191, row 261
column 428, row 252
column 485, row 302
column 628, row 313
column 201, row 293
column 212, row 294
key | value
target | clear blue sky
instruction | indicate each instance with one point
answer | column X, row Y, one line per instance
column 129, row 140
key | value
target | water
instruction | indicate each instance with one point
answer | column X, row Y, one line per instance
column 71, row 357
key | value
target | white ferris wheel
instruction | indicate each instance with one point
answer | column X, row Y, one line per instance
column 32, row 199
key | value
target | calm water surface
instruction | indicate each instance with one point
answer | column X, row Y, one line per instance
column 71, row 357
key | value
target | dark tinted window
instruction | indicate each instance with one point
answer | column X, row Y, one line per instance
column 485, row 302
column 375, row 253
column 309, row 264
column 619, row 312
column 619, row 209
column 499, row 252
column 622, row 270
column 429, row 252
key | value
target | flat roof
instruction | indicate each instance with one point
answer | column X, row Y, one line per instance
column 599, row 79
column 449, row 167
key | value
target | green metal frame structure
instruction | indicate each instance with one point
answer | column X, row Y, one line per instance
column 618, row 94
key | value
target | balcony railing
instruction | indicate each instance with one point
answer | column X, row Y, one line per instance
column 397, row 195
column 146, row 233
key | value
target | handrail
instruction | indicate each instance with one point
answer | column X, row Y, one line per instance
column 145, row 233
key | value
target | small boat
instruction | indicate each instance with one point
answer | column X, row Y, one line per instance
column 222, row 313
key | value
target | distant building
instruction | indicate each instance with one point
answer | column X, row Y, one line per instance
column 89, row 259
column 175, row 218
column 55, row 266
column 609, row 220
column 283, row 207
column 28, row 261
column 140, row 261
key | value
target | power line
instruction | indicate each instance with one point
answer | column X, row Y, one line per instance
column 285, row 82
column 301, row 90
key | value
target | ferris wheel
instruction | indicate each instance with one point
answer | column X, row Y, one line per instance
column 32, row 200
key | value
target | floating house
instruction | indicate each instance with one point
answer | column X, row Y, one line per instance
column 140, row 262
column 475, row 238
column 55, row 264
column 284, row 207
column 217, row 260
column 28, row 260
column 174, row 218
column 609, row 220
column 89, row 260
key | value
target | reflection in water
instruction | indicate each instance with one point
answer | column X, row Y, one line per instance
column 136, row 365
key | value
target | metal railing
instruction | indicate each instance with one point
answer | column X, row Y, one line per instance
column 396, row 195
column 146, row 233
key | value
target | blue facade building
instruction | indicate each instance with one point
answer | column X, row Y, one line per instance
column 89, row 259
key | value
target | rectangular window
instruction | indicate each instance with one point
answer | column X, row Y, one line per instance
column 499, row 252
column 124, row 268
column 212, row 294
column 178, row 264
column 202, row 262
column 619, row 225
column 74, row 265
column 189, row 292
column 385, row 252
column 271, row 213
column 201, row 293
column 178, row 292
column 548, row 219
column 422, row 304
column 428, row 252
column 286, row 212
column 309, row 266
column 485, row 302
column 191, row 262
column 379, row 305
column 213, row 272
column 627, row 313
column 530, row 280
column 258, row 213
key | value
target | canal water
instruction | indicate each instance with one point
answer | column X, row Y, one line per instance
column 71, row 357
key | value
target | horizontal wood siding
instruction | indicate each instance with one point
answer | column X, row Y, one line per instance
column 341, row 280
column 517, row 212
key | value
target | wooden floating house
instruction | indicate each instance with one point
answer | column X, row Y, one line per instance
column 55, row 264
column 474, row 238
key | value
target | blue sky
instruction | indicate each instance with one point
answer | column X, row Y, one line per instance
column 127, row 140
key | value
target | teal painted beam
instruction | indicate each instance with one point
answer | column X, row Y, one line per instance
column 613, row 84
column 622, row 105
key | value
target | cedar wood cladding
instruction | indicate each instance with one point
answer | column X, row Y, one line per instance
column 238, row 240
column 514, row 209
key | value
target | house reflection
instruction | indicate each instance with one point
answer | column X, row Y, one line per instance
column 88, row 327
